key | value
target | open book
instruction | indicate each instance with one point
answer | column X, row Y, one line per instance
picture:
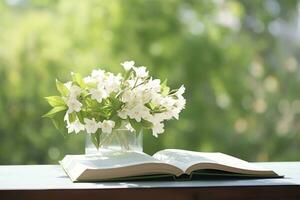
column 169, row 163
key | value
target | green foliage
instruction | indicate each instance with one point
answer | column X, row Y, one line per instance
column 61, row 88
column 54, row 111
column 55, row 101
column 82, row 105
column 137, row 126
column 59, row 123
column 78, row 80
column 241, row 77
column 96, row 138
column 165, row 89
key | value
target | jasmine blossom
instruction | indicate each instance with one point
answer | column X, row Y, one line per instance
column 102, row 101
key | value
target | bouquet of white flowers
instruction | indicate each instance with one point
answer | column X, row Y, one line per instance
column 102, row 102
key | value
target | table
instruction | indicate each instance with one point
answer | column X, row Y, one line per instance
column 50, row 182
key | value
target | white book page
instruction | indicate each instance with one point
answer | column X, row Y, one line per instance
column 181, row 158
column 114, row 165
column 108, row 160
column 184, row 159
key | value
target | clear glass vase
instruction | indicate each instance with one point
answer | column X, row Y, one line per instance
column 117, row 140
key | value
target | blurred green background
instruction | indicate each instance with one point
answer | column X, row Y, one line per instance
column 239, row 61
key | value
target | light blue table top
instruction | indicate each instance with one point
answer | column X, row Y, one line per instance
column 44, row 177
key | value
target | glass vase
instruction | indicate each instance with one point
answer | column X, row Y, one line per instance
column 118, row 140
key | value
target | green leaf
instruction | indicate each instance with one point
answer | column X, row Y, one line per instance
column 72, row 117
column 164, row 83
column 85, row 94
column 92, row 103
column 136, row 125
column 91, row 85
column 55, row 101
column 146, row 124
column 96, row 139
column 116, row 103
column 54, row 111
column 78, row 79
column 118, row 121
column 128, row 74
column 62, row 88
column 59, row 123
column 150, row 105
column 164, row 88
column 80, row 117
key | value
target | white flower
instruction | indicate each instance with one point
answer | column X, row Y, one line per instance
column 180, row 103
column 75, row 91
column 68, row 84
column 180, row 91
column 75, row 126
column 129, row 127
column 154, row 85
column 168, row 102
column 113, row 83
column 123, row 113
column 66, row 118
column 127, row 65
column 141, row 72
column 134, row 82
column 98, row 94
column 158, row 117
column 145, row 96
column 88, row 80
column 138, row 95
column 138, row 112
column 107, row 126
column 174, row 112
column 157, row 99
column 73, row 105
column 91, row 126
column 157, row 128
column 98, row 75
column 127, row 96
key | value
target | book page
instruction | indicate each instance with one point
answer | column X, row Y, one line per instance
column 110, row 165
column 181, row 158
column 109, row 160
column 185, row 159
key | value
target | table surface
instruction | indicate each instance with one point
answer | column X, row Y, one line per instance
column 14, row 178
column 41, row 177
